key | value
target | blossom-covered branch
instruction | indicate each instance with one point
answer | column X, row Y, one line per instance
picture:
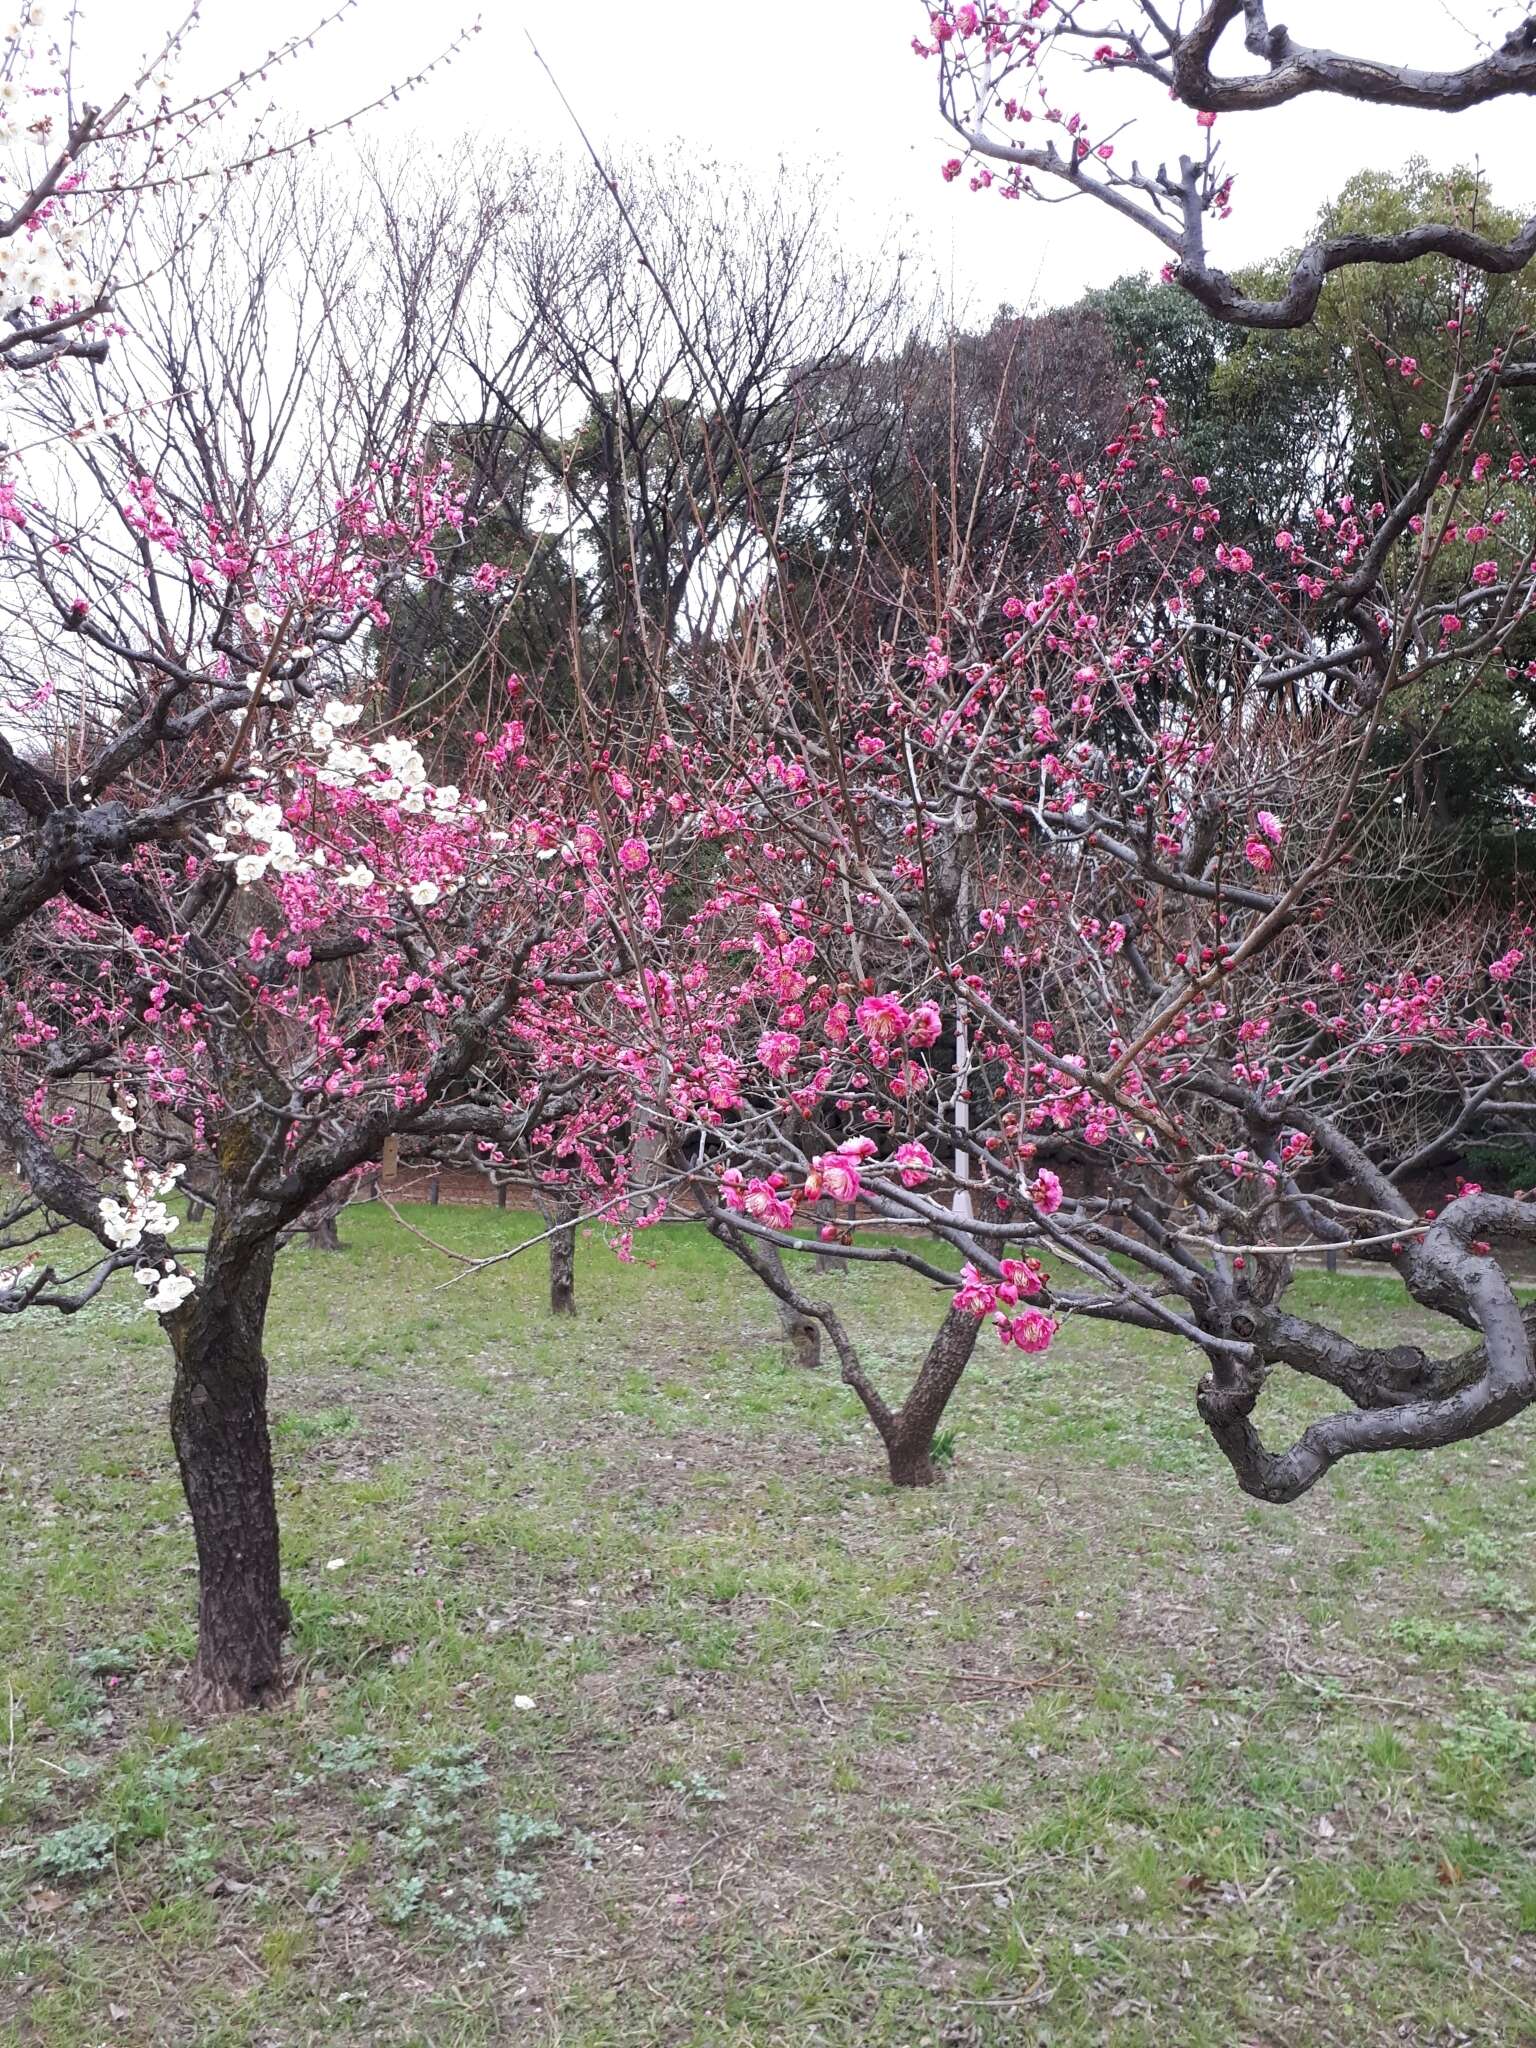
column 1003, row 92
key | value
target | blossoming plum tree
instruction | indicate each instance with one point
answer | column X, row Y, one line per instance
column 1061, row 953
column 195, row 982
column 1009, row 76
column 75, row 171
column 1050, row 950
column 248, row 940
column 1126, row 909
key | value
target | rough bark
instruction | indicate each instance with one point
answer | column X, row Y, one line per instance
column 1173, row 206
column 322, row 1235
column 909, row 1439
column 562, row 1269
column 219, row 1427
column 912, row 1464
column 1295, row 69
column 1403, row 1399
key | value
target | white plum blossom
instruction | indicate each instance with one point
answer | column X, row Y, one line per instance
column 36, row 267
column 167, row 1291
column 332, row 715
column 424, row 893
column 275, row 847
column 125, row 1225
column 343, row 765
column 256, row 841
column 119, row 1225
column 398, row 771
column 401, row 762
column 261, row 820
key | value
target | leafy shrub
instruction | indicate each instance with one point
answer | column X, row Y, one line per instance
column 80, row 1850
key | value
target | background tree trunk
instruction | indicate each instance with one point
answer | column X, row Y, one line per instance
column 802, row 1333
column 559, row 1213
column 322, row 1235
column 803, row 1336
column 912, row 1464
column 562, row 1271
column 908, row 1432
column 219, row 1427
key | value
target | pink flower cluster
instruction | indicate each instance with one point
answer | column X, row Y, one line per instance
column 1028, row 1329
column 1259, row 847
column 835, row 1175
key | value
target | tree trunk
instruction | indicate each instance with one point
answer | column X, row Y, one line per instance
column 802, row 1334
column 909, row 1440
column 908, row 1434
column 323, row 1235
column 912, row 1464
column 562, row 1269
column 219, row 1426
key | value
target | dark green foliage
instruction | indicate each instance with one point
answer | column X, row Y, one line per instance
column 1283, row 423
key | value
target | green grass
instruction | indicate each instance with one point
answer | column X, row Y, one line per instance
column 1081, row 1747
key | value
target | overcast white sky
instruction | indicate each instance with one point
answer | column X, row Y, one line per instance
column 833, row 82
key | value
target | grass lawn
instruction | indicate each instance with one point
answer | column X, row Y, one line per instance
column 632, row 1706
